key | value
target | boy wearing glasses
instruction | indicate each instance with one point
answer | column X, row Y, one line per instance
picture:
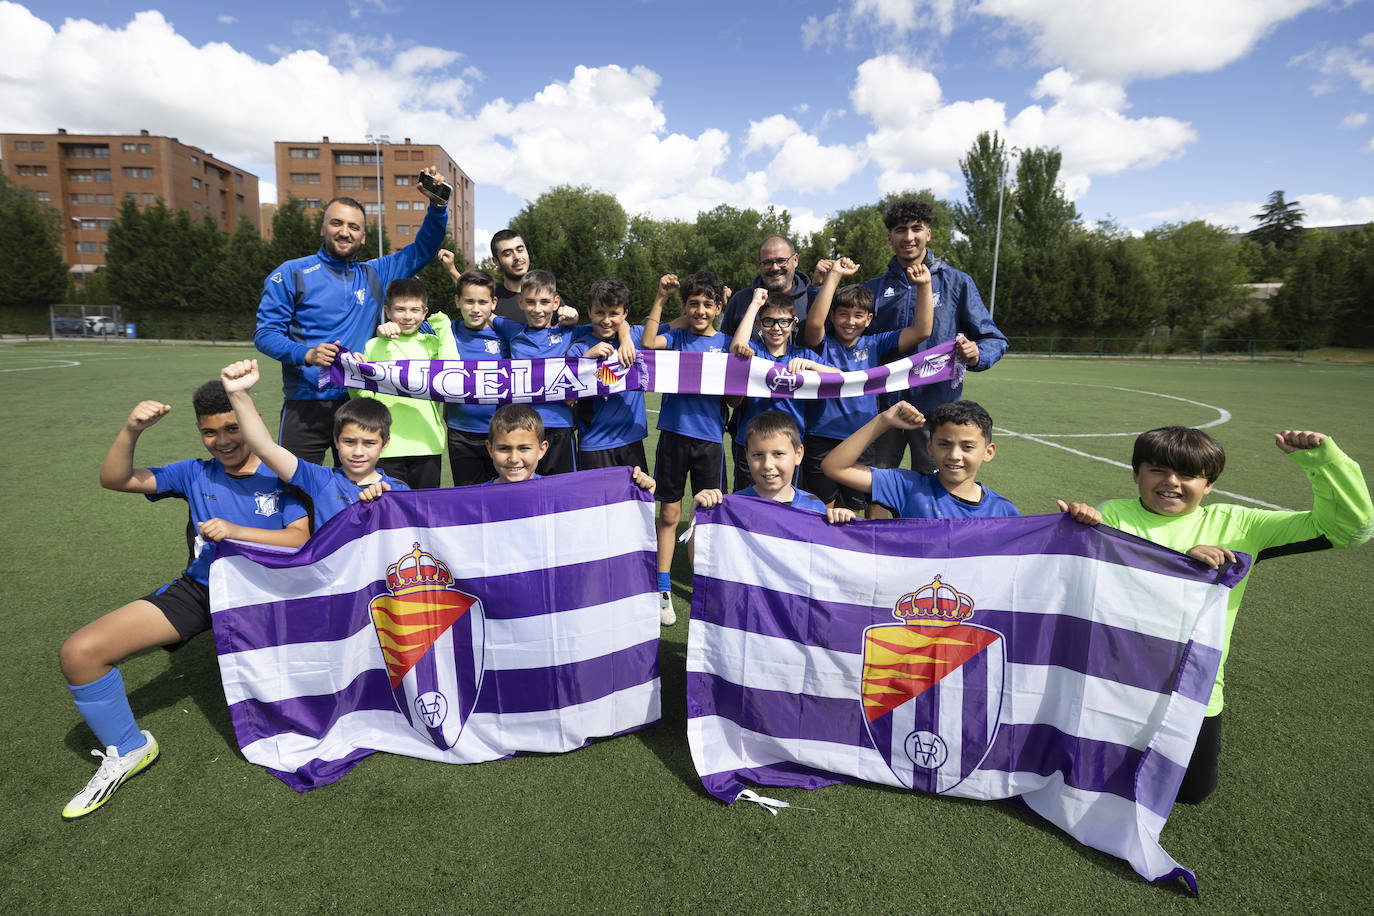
column 776, row 317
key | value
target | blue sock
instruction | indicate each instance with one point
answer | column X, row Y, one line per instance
column 105, row 707
column 665, row 582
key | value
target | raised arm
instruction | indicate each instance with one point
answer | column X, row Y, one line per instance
column 446, row 258
column 739, row 344
column 651, row 339
column 117, row 471
column 842, row 464
column 820, row 306
column 238, row 379
column 923, row 316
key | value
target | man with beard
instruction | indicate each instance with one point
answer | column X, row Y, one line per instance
column 316, row 306
column 513, row 260
column 778, row 274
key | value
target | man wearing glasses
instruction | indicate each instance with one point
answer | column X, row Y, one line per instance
column 777, row 274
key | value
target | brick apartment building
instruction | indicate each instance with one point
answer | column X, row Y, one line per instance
column 318, row 171
column 85, row 176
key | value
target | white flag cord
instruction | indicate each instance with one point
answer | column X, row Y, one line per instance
column 771, row 805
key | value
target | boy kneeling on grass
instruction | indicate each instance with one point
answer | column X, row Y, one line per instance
column 232, row 495
column 1174, row 468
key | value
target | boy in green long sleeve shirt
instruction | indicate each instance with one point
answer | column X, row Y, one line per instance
column 415, row 452
column 1175, row 467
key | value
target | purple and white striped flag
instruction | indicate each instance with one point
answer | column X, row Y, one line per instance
column 532, row 381
column 457, row 625
column 991, row 658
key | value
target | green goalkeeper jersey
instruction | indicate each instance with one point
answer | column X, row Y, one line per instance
column 1341, row 516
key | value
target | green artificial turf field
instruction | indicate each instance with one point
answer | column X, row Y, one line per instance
column 624, row 825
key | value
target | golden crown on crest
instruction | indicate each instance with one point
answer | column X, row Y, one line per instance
column 934, row 604
column 416, row 571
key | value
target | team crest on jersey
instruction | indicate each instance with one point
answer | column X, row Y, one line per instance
column 932, row 688
column 276, row 277
column 779, row 379
column 359, row 295
column 889, row 293
column 267, row 503
column 493, row 346
column 431, row 636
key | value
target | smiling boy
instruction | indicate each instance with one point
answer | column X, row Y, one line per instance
column 960, row 444
column 691, row 426
column 1174, row 468
column 360, row 433
column 610, row 428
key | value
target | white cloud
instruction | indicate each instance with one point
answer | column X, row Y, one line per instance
column 916, row 129
column 1354, row 119
column 943, row 183
column 1319, row 209
column 801, row 161
column 891, row 22
column 1369, row 147
column 60, row 77
column 770, row 133
column 1344, row 62
column 1122, row 40
column 267, row 191
column 226, row 19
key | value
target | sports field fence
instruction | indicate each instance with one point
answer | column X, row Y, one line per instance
column 1156, row 347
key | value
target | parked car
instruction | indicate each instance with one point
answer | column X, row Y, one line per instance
column 100, row 325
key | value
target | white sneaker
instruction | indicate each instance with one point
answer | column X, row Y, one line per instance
column 666, row 615
column 114, row 770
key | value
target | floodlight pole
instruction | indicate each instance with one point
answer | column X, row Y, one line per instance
column 82, row 255
column 997, row 244
column 377, row 140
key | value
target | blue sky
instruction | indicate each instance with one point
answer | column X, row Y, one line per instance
column 1165, row 111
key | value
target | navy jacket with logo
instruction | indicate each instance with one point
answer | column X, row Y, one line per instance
column 318, row 299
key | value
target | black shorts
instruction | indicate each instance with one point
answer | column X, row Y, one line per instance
column 561, row 458
column 889, row 449
column 681, row 456
column 307, row 429
column 1200, row 779
column 186, row 605
column 468, row 458
column 419, row 472
column 622, row 456
column 814, row 481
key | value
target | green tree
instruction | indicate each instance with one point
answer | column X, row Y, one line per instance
column 731, row 238
column 653, row 248
column 576, row 233
column 160, row 259
column 1326, row 295
column 1279, row 223
column 975, row 220
column 295, row 231
column 236, row 282
column 1198, row 274
column 32, row 272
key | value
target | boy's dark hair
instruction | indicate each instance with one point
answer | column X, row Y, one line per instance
column 475, row 278
column 771, row 423
column 407, row 288
column 538, row 281
column 781, row 302
column 500, row 237
column 512, row 417
column 368, row 414
column 350, row 202
column 961, row 413
column 703, row 283
column 907, row 209
column 210, row 399
column 855, row 295
column 1181, row 449
column 609, row 292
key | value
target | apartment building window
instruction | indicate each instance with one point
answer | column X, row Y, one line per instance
column 239, row 199
column 402, row 205
column 403, row 230
column 370, row 159
column 370, row 209
column 80, row 175
column 78, row 152
column 195, row 160
column 195, row 182
column 312, row 203
column 88, row 247
column 348, row 159
column 82, row 200
column 102, row 175
column 89, row 223
column 196, row 206
column 304, row 152
column 131, row 171
column 21, row 146
column 238, row 178
column 40, row 170
column 369, row 184
column 348, row 183
column 104, row 200
column 149, row 198
column 128, row 147
column 37, row 146
column 42, row 195
column 24, row 170
column 402, row 180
